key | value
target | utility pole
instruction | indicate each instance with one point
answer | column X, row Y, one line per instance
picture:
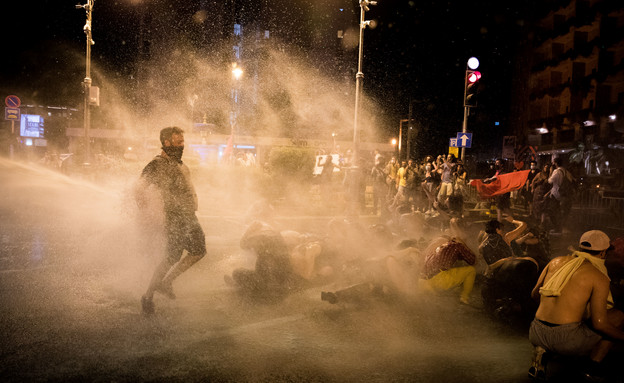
column 88, row 7
column 359, row 78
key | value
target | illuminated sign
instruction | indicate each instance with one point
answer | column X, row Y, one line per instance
column 31, row 125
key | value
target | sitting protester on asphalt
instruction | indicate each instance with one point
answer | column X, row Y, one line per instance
column 273, row 275
column 568, row 287
column 447, row 266
column 495, row 243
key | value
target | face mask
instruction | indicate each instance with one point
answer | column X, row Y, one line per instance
column 175, row 152
column 533, row 167
column 428, row 168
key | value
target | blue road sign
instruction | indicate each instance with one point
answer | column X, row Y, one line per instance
column 464, row 140
column 12, row 114
column 453, row 142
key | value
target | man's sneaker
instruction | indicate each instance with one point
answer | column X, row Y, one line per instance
column 537, row 370
column 147, row 304
column 166, row 289
column 329, row 297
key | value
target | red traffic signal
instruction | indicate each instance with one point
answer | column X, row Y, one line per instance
column 473, row 76
column 471, row 88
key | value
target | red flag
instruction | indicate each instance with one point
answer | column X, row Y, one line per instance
column 504, row 183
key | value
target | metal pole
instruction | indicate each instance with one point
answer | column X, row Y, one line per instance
column 466, row 113
column 408, row 154
column 87, row 80
column 400, row 139
column 359, row 77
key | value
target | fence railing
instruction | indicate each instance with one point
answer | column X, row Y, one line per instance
column 591, row 209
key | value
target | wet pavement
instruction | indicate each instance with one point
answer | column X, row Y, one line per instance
column 73, row 268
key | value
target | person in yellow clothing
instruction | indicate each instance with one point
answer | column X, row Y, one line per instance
column 401, row 183
column 450, row 265
column 575, row 315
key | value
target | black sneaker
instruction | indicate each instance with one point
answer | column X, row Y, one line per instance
column 166, row 289
column 148, row 305
column 329, row 297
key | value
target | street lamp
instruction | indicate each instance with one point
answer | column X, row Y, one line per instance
column 359, row 77
column 237, row 73
column 88, row 7
column 394, row 146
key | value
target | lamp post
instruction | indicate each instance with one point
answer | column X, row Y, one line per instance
column 394, row 146
column 237, row 73
column 88, row 7
column 359, row 77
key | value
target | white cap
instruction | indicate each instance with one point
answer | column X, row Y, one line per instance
column 594, row 240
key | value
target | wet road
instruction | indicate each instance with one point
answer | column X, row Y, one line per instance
column 73, row 267
column 66, row 323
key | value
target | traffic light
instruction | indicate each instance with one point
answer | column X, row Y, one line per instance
column 471, row 88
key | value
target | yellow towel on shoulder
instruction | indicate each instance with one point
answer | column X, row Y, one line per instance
column 553, row 287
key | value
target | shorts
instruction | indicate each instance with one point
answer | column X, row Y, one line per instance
column 564, row 339
column 184, row 233
column 446, row 189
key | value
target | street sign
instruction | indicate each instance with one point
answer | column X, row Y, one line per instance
column 12, row 101
column 453, row 142
column 464, row 140
column 12, row 114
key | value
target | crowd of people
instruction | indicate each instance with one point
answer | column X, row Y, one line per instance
column 424, row 249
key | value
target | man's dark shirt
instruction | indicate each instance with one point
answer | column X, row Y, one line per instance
column 177, row 193
column 494, row 248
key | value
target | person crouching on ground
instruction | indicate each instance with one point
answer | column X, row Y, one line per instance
column 566, row 288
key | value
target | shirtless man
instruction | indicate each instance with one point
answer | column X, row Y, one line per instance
column 567, row 288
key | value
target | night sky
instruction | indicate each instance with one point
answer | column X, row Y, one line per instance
column 417, row 51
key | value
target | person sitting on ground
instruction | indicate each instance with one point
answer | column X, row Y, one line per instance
column 509, row 278
column 273, row 275
column 534, row 243
column 494, row 244
column 449, row 265
column 567, row 288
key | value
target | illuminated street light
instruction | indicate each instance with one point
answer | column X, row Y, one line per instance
column 237, row 72
column 359, row 77
column 394, row 146
column 473, row 63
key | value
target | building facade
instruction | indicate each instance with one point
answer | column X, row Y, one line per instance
column 575, row 92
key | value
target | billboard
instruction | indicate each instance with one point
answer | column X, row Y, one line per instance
column 31, row 125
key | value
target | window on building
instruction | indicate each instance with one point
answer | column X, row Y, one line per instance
column 236, row 51
column 558, row 49
column 266, row 34
column 237, row 29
